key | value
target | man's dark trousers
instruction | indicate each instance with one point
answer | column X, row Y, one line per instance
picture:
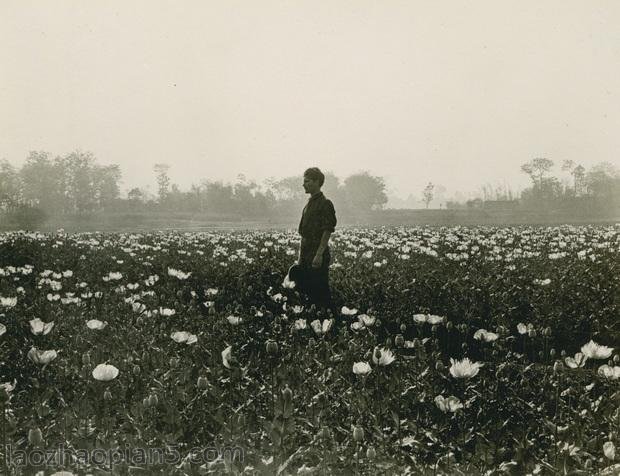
column 316, row 282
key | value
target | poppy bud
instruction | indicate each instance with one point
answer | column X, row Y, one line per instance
column 378, row 323
column 107, row 395
column 153, row 400
column 464, row 346
column 531, row 332
column 202, row 383
column 35, row 437
column 616, row 358
column 399, row 340
column 449, row 325
column 311, row 342
column 371, row 453
column 358, row 433
column 403, row 328
column 271, row 346
column 162, row 326
column 416, row 343
column 145, row 402
column 557, row 366
column 136, row 370
column 388, row 342
column 211, row 310
column 174, row 361
column 540, row 354
column 552, row 353
column 563, row 353
column 287, row 394
column 439, row 366
column 86, row 359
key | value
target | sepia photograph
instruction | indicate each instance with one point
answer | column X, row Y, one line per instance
column 309, row 237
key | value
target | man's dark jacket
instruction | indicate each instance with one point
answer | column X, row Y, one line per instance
column 318, row 216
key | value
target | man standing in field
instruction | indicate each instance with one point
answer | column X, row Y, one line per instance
column 318, row 221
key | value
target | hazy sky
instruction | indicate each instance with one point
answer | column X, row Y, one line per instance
column 455, row 92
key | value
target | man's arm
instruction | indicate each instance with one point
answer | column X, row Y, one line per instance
column 318, row 257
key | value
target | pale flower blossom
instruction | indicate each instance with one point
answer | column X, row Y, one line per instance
column 105, row 372
column 234, row 320
column 575, row 362
column 612, row 373
column 96, row 324
column 366, row 320
column 183, row 337
column 450, row 404
column 432, row 319
column 464, row 368
column 361, row 368
column 8, row 301
column 41, row 357
column 345, row 311
column 592, row 350
column 178, row 274
column 38, row 327
column 382, row 357
column 486, row 336
column 319, row 328
column 419, row 318
column 609, row 450
column 227, row 356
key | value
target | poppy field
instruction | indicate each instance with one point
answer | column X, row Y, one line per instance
column 455, row 350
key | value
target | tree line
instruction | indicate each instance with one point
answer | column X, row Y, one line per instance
column 571, row 187
column 75, row 184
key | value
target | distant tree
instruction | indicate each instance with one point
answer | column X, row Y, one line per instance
column 568, row 166
column 578, row 173
column 244, row 193
column 289, row 188
column 106, row 184
column 76, row 170
column 41, row 182
column 603, row 180
column 364, row 192
column 579, row 176
column 219, row 197
column 163, row 181
column 136, row 195
column 427, row 194
column 537, row 169
column 10, row 193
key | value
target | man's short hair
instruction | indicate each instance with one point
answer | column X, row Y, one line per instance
column 314, row 173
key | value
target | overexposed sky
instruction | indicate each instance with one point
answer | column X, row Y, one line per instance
column 455, row 92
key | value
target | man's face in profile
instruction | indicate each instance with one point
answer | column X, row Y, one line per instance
column 311, row 185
